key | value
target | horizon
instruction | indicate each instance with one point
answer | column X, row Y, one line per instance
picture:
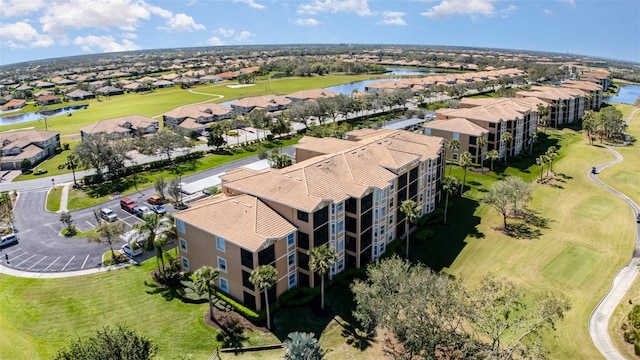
column 37, row 30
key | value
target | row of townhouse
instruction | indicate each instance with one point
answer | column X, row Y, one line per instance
column 122, row 127
column 199, row 117
column 419, row 84
column 342, row 192
column 489, row 118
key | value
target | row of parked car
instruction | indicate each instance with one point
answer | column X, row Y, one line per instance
column 132, row 207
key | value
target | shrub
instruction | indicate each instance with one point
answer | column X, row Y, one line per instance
column 636, row 347
column 250, row 148
column 65, row 146
column 634, row 316
column 298, row 296
column 423, row 235
column 263, row 153
column 347, row 276
column 249, row 314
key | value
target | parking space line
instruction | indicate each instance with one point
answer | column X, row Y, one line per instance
column 54, row 261
column 17, row 256
column 68, row 263
column 85, row 262
column 11, row 252
column 36, row 263
column 25, row 260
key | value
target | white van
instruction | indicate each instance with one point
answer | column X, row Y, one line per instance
column 8, row 240
column 108, row 215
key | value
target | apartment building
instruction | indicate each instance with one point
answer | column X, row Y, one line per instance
column 566, row 105
column 465, row 132
column 593, row 91
column 497, row 117
column 345, row 193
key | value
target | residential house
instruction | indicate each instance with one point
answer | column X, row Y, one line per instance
column 270, row 103
column 122, row 127
column 344, row 193
column 196, row 117
column 44, row 85
column 315, row 94
column 162, row 84
column 497, row 116
column 14, row 104
column 109, row 91
column 34, row 145
column 48, row 100
column 78, row 94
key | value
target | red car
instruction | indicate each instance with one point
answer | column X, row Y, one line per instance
column 128, row 205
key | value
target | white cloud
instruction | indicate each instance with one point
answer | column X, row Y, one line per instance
column 571, row 3
column 393, row 18
column 104, row 14
column 129, row 36
column 505, row 12
column 215, row 41
column 548, row 12
column 307, row 22
column 182, row 22
column 252, row 4
column 226, row 32
column 15, row 8
column 244, row 35
column 23, row 35
column 104, row 43
column 461, row 7
column 358, row 7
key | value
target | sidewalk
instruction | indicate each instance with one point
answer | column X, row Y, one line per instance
column 57, row 275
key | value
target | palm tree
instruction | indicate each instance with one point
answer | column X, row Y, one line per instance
column 481, row 141
column 320, row 260
column 465, row 162
column 540, row 160
column 72, row 164
column 205, row 283
column 493, row 155
column 410, row 209
column 506, row 140
column 152, row 226
column 452, row 144
column 108, row 232
column 450, row 185
column 264, row 277
column 552, row 152
column 543, row 116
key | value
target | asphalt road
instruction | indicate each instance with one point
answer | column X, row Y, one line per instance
column 599, row 320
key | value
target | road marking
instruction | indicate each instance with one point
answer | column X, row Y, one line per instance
column 54, row 261
column 36, row 263
column 11, row 252
column 27, row 259
column 68, row 263
column 90, row 224
column 17, row 256
column 85, row 262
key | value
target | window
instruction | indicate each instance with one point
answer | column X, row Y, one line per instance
column 220, row 245
column 303, row 240
column 333, row 229
column 333, row 209
column 321, row 235
column 303, row 216
column 320, row 217
column 224, row 285
column 351, row 205
column 245, row 280
column 291, row 240
column 183, row 245
column 383, row 211
column 402, row 181
column 340, row 226
column 456, row 136
column 340, row 264
column 292, row 280
column 351, row 224
column 180, row 225
column 391, row 219
column 340, row 208
column 222, row 264
column 340, row 245
column 303, row 260
column 366, row 203
column 292, row 260
column 413, row 174
column 185, row 263
column 391, row 184
column 266, row 256
column 246, row 258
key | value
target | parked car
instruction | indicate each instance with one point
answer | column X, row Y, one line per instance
column 9, row 239
column 127, row 250
column 594, row 170
column 108, row 215
column 155, row 200
column 638, row 218
column 128, row 205
column 158, row 209
column 141, row 211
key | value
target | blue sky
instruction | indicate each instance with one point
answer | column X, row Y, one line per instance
column 40, row 29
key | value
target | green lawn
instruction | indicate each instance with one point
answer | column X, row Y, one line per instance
column 579, row 250
column 53, row 199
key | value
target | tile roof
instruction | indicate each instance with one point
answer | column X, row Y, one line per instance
column 495, row 110
column 262, row 101
column 458, row 125
column 312, row 94
column 198, row 110
column 116, row 124
column 22, row 138
column 236, row 218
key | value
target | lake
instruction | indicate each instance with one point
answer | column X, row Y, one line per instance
column 32, row 116
column 628, row 94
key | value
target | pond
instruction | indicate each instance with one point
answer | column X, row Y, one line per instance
column 32, row 116
column 628, row 94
